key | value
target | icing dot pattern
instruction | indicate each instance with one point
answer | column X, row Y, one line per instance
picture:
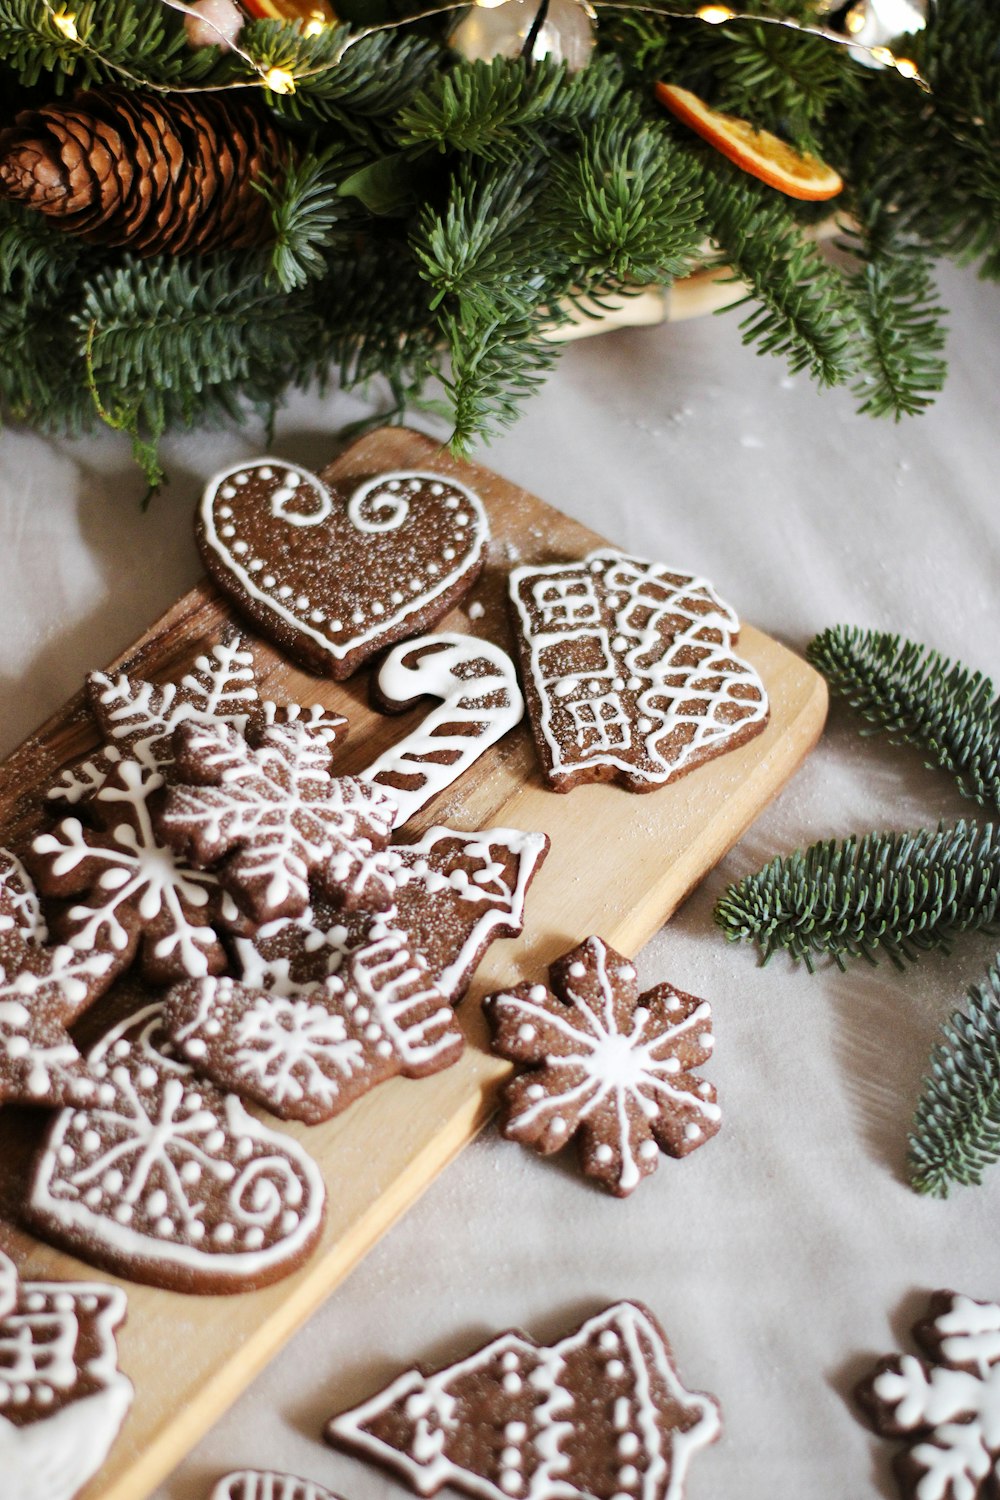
column 288, row 548
column 503, row 1421
column 115, row 1183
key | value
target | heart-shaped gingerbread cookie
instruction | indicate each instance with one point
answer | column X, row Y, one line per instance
column 334, row 576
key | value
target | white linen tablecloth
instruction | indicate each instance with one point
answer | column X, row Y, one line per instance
column 789, row 1253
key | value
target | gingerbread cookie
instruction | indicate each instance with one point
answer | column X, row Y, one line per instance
column 481, row 701
column 42, row 989
column 165, row 1179
column 138, row 897
column 273, row 816
column 138, row 717
column 606, row 1064
column 62, row 1397
column 947, row 1406
column 454, row 894
column 308, row 1057
column 629, row 671
column 260, row 1484
column 334, row 576
column 601, row 1413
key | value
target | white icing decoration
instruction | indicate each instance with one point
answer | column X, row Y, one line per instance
column 582, row 718
column 370, row 509
column 41, row 989
column 148, row 1134
column 442, row 666
column 961, row 1407
column 419, row 865
column 432, row 1403
column 615, row 1069
column 260, row 1484
column 291, row 489
column 137, row 871
column 280, row 813
column 41, row 1331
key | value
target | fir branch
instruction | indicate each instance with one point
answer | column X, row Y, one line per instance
column 369, row 80
column 171, row 342
column 37, row 262
column 627, row 206
column 919, row 698
column 900, row 894
column 807, row 312
column 487, row 109
column 143, row 37
column 775, row 78
column 903, row 336
column 494, row 368
column 476, row 252
column 956, row 1128
column 305, row 206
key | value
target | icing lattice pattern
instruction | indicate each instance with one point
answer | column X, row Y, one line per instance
column 631, row 669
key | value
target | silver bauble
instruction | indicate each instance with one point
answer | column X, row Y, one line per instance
column 566, row 33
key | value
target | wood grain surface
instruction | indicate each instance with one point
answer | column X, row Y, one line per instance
column 619, row 865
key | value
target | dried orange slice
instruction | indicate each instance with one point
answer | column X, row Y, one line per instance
column 758, row 152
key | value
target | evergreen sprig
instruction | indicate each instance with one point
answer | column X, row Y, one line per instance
column 118, row 40
column 405, row 149
column 897, row 894
column 956, row 1128
column 804, row 310
column 917, row 697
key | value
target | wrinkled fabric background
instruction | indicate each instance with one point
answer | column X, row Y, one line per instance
column 789, row 1253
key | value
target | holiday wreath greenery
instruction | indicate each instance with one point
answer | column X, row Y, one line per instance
column 189, row 230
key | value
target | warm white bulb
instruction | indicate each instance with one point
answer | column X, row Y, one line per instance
column 66, row 23
column 715, row 14
column 906, row 67
column 279, row 81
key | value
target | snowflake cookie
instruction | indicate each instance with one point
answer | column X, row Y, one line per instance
column 307, row 1057
column 629, row 671
column 62, row 1397
column 606, row 1064
column 164, row 1178
column 601, row 1413
column 42, row 989
column 138, row 897
column 946, row 1406
column 272, row 816
column 261, row 1484
column 453, row 895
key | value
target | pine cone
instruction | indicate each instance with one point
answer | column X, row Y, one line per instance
column 173, row 174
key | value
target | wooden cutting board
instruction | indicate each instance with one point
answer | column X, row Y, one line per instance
column 190, row 1357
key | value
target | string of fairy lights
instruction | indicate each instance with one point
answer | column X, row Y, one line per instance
column 280, row 80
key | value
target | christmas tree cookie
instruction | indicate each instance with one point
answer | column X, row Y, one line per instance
column 601, row 1414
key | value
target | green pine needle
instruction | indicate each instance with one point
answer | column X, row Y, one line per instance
column 956, row 1128
column 918, row 698
column 897, row 894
